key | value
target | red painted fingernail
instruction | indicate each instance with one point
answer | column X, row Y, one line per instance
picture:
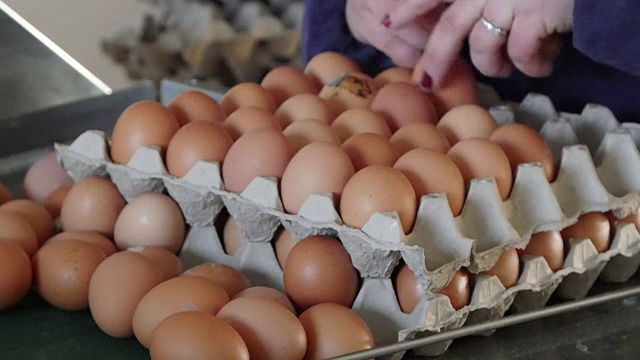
column 386, row 21
column 426, row 82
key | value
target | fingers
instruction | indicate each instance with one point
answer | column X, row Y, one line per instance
column 401, row 53
column 408, row 11
column 486, row 47
column 447, row 39
column 525, row 47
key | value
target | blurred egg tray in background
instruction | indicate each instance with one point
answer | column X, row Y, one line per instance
column 222, row 42
column 599, row 171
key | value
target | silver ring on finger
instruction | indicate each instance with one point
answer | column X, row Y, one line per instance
column 498, row 31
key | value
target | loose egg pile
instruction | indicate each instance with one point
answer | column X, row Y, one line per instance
column 377, row 144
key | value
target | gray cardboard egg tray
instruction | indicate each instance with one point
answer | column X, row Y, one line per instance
column 439, row 244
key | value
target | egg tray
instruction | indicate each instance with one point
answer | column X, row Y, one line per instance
column 534, row 205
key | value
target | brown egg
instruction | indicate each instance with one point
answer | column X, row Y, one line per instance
column 266, row 293
column 116, row 288
column 304, row 106
column 393, row 74
column 334, row 330
column 402, row 104
column 92, row 204
column 63, row 270
column 633, row 218
column 524, row 145
column 408, row 289
column 549, row 245
column 198, row 140
column 53, row 202
column 247, row 94
column 284, row 82
column 594, row 226
column 232, row 237
column 143, row 123
column 458, row 290
column 196, row 335
column 183, row 293
column 150, row 220
column 15, row 274
column 317, row 168
column 358, row 121
column 466, row 122
column 306, row 131
column 195, row 105
column 268, row 328
column 432, row 172
column 13, row 228
column 44, row 177
column 326, row 66
column 248, row 119
column 419, row 136
column 263, row 152
column 369, row 149
column 480, row 158
column 283, row 244
column 319, row 270
column 5, row 194
column 507, row 268
column 35, row 214
column 349, row 91
column 231, row 280
column 169, row 264
column 378, row 189
column 102, row 242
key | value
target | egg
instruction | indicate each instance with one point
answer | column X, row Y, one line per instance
column 458, row 290
column 231, row 280
column 53, row 203
column 195, row 105
column 481, row 158
column 197, row 141
column 15, row 274
column 402, row 104
column 247, row 94
column 305, row 106
column 283, row 244
column 306, row 131
column 317, row 168
column 393, row 74
column 116, row 287
column 594, row 226
column 378, row 189
column 44, row 177
column 232, row 238
column 194, row 335
column 266, row 293
column 633, row 218
column 319, row 270
column 507, row 268
column 248, row 119
column 284, row 82
column 369, row 149
column 150, row 220
column 92, row 204
column 35, row 214
column 419, row 136
column 465, row 122
column 183, row 293
column 432, row 172
column 143, row 123
column 548, row 244
column 169, row 264
column 5, row 194
column 523, row 145
column 334, row 330
column 15, row 229
column 268, row 328
column 410, row 292
column 260, row 153
column 349, row 91
column 358, row 121
column 326, row 66
column 104, row 243
column 63, row 270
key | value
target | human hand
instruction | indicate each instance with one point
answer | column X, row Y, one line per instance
column 502, row 34
column 369, row 23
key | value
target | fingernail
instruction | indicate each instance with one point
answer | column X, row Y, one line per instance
column 426, row 82
column 386, row 21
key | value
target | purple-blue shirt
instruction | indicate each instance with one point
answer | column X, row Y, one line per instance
column 600, row 62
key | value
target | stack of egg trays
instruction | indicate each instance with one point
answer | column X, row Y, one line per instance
column 599, row 171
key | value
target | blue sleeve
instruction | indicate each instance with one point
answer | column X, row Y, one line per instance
column 608, row 31
column 325, row 29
